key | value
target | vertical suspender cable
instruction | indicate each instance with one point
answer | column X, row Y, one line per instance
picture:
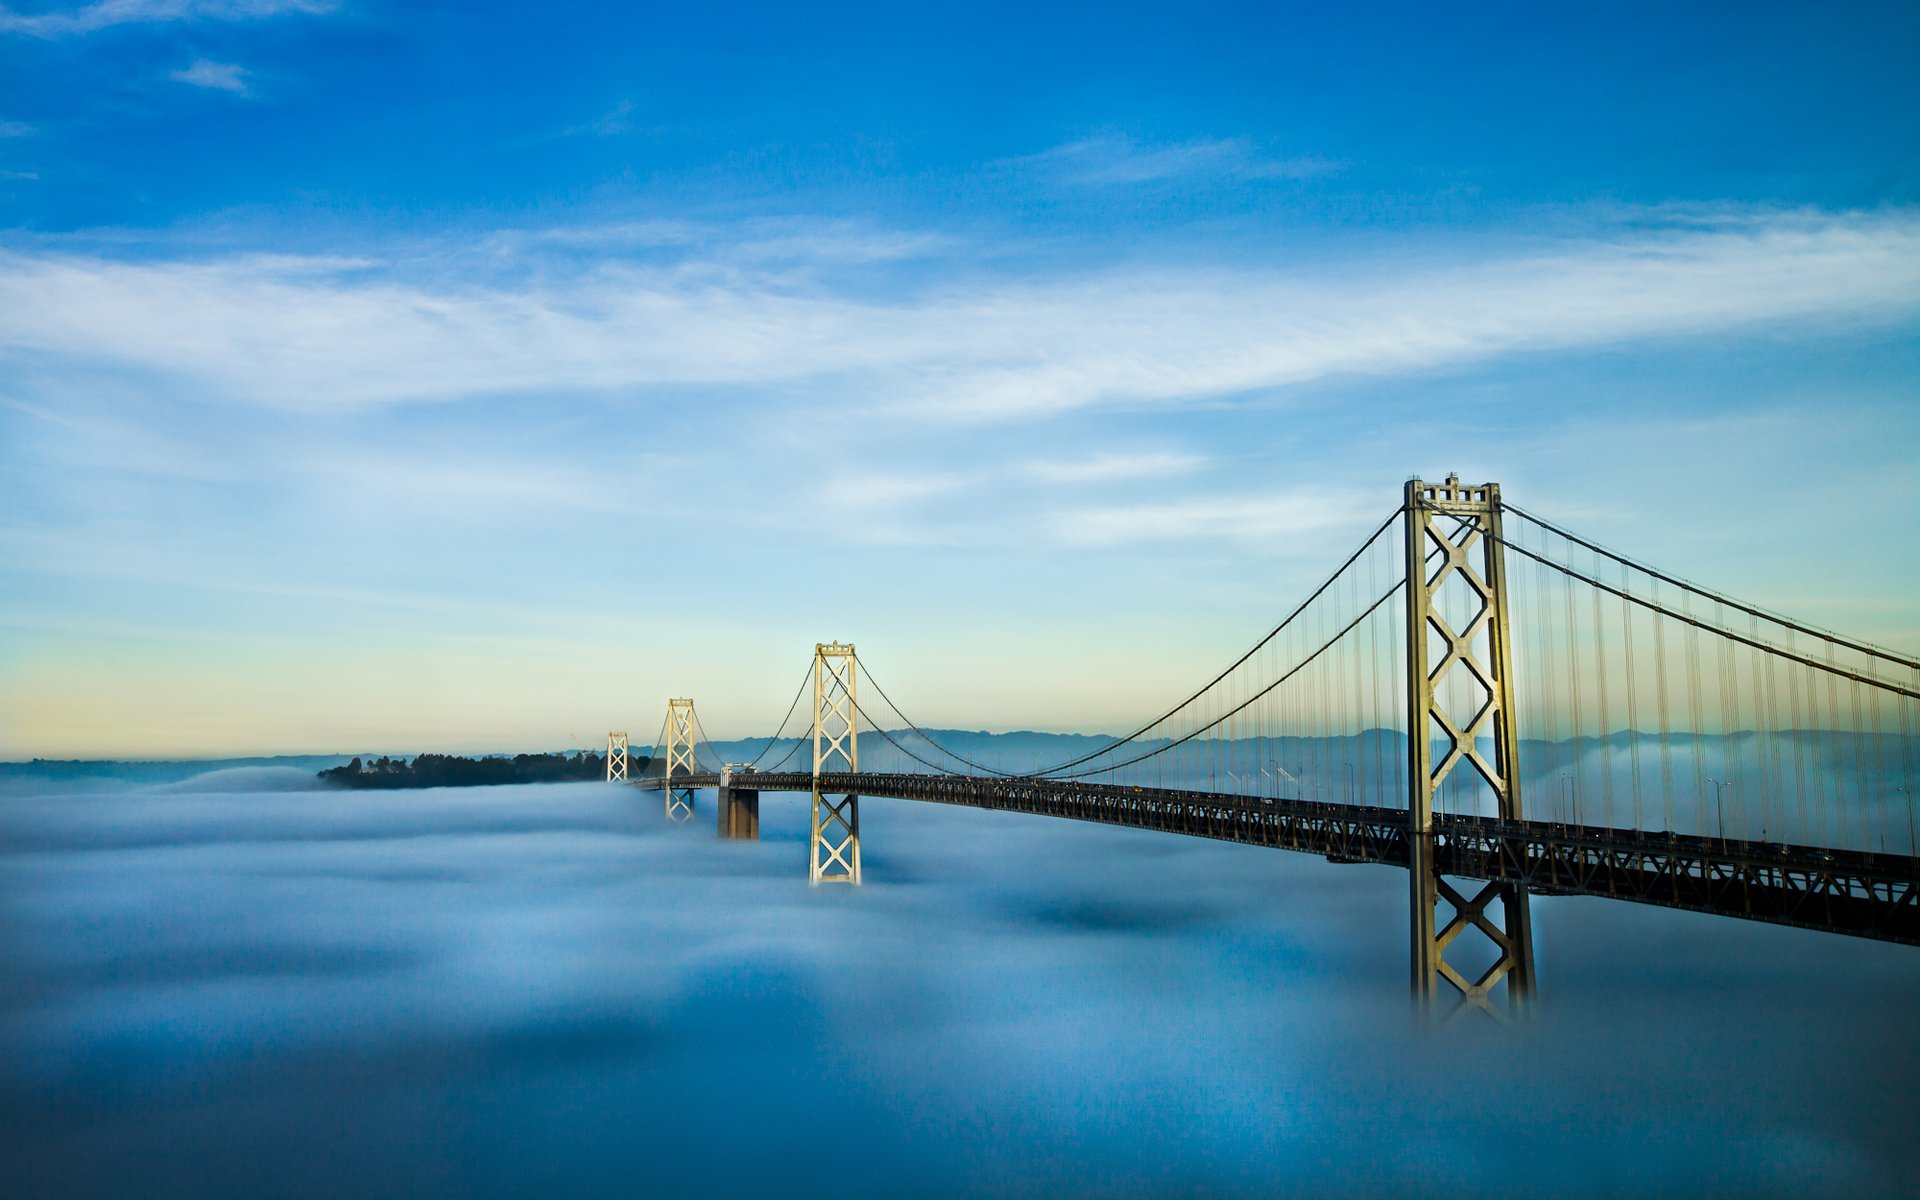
column 1842, row 751
column 1575, row 687
column 1633, row 707
column 1550, row 636
column 1906, row 710
column 1697, row 729
column 1797, row 733
column 1768, row 770
column 1743, row 746
column 1662, row 713
column 1606, row 709
column 1774, row 805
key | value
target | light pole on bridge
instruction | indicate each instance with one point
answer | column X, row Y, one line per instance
column 1719, row 810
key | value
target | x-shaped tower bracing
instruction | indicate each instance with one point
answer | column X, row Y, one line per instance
column 1461, row 728
column 679, row 748
column 834, row 854
column 1460, row 703
column 617, row 756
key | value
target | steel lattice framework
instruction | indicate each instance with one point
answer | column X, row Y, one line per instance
column 1472, row 855
column 1465, row 698
column 834, row 854
column 680, row 759
column 1873, row 896
column 617, row 756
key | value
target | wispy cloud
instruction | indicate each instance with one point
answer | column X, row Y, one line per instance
column 106, row 13
column 309, row 334
column 1107, row 468
column 1117, row 159
column 890, row 509
column 662, row 231
column 464, row 483
column 760, row 240
column 1266, row 518
column 16, row 129
column 204, row 73
column 877, row 493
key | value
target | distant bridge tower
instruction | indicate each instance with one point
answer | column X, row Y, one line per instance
column 617, row 757
column 680, row 727
column 1457, row 609
column 835, row 853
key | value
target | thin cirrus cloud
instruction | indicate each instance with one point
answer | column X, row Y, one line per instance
column 204, row 73
column 89, row 18
column 306, row 334
column 1109, row 468
column 1115, row 159
column 862, row 493
column 917, row 508
column 793, row 242
column 1266, row 518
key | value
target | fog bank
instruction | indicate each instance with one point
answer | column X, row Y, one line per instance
column 518, row 990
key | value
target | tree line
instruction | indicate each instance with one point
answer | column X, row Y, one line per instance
column 451, row 770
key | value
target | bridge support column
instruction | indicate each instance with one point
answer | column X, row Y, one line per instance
column 1460, row 710
column 833, row 854
column 739, row 807
column 680, row 737
column 617, row 756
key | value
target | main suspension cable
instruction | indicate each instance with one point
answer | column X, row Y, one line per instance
column 791, row 709
column 1753, row 641
column 929, row 738
column 1298, row 667
column 1257, row 646
column 700, row 735
column 1866, row 648
column 791, row 751
column 875, row 727
column 653, row 752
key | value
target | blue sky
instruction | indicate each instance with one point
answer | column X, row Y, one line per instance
column 404, row 377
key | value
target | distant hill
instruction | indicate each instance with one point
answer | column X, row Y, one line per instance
column 82, row 770
column 439, row 770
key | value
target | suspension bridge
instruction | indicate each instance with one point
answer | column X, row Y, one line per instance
column 1478, row 695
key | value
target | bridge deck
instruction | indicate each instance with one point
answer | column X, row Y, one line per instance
column 1835, row 891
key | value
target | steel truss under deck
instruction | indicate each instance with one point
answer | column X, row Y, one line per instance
column 1864, row 895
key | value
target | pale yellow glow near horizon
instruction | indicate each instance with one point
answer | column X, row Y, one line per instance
column 64, row 700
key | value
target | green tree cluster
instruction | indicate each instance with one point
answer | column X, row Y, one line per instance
column 449, row 770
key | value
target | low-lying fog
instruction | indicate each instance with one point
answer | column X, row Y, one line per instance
column 234, row 987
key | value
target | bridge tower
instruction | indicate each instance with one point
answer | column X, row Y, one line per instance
column 1460, row 710
column 617, row 757
column 834, row 856
column 679, row 747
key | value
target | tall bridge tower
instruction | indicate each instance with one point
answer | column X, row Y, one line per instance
column 834, row 856
column 1463, row 822
column 617, row 757
column 679, row 747
column 1460, row 710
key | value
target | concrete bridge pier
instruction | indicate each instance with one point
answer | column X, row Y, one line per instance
column 739, row 809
